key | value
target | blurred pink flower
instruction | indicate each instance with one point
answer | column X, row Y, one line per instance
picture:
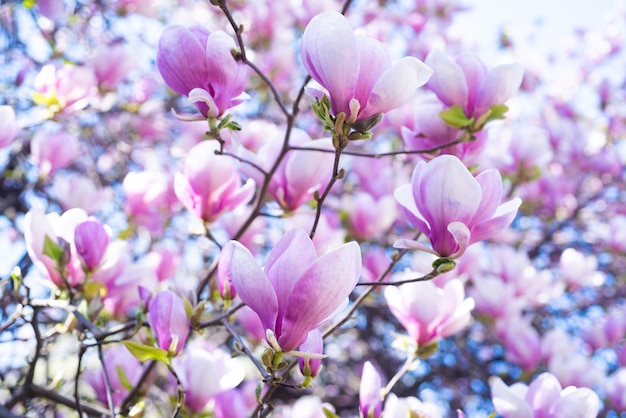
column 356, row 71
column 430, row 313
column 452, row 208
column 112, row 63
column 8, row 126
column 149, row 199
column 296, row 291
column 91, row 240
column 465, row 81
column 204, row 374
column 544, row 398
column 210, row 184
column 67, row 88
column 53, row 151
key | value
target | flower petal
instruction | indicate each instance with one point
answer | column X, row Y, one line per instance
column 251, row 284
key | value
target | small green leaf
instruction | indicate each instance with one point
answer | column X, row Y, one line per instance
column 123, row 378
column 146, row 352
column 52, row 249
column 444, row 265
column 328, row 413
column 497, row 112
column 454, row 116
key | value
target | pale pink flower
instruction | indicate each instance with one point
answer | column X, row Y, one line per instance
column 210, row 184
column 369, row 217
column 169, row 321
column 465, row 81
column 200, row 65
column 314, row 344
column 60, row 230
column 300, row 173
column 615, row 387
column 430, row 313
column 53, row 151
column 410, row 406
column 356, row 71
column 544, row 398
column 112, row 63
column 73, row 190
column 67, row 88
column 205, row 374
column 453, row 208
column 370, row 400
column 8, row 125
column 296, row 292
column 522, row 342
column 579, row 269
column 149, row 199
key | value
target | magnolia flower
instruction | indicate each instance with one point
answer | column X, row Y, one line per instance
column 8, row 125
column 91, row 240
column 169, row 321
column 370, row 401
column 543, row 398
column 452, row 208
column 211, row 184
column 200, row 65
column 430, row 313
column 314, row 343
column 296, row 292
column 356, row 71
column 53, row 151
column 465, row 81
column 205, row 374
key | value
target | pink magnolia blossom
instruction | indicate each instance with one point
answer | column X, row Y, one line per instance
column 296, row 292
column 91, row 240
column 8, row 125
column 73, row 190
column 123, row 293
column 206, row 373
column 453, row 208
column 200, row 65
column 369, row 217
column 300, row 173
column 112, row 64
column 370, row 400
column 543, row 398
column 60, row 230
column 356, row 71
column 465, row 81
column 522, row 342
column 579, row 269
column 169, row 321
column 430, row 313
column 210, row 184
column 53, row 151
column 67, row 88
column 149, row 199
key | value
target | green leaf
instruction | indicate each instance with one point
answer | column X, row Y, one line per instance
column 328, row 413
column 123, row 378
column 16, row 276
column 146, row 352
column 454, row 116
column 497, row 112
column 52, row 249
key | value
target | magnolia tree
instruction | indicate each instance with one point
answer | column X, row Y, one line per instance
column 307, row 209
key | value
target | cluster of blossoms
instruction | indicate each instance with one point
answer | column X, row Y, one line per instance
column 303, row 212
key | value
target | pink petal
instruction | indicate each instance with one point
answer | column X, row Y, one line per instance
column 252, row 285
column 330, row 56
column 501, row 83
column 448, row 80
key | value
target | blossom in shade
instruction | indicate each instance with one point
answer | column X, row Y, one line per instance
column 199, row 64
column 465, row 81
column 544, row 397
column 430, row 313
column 210, row 184
column 370, row 401
column 169, row 321
column 356, row 71
column 453, row 208
column 296, row 292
